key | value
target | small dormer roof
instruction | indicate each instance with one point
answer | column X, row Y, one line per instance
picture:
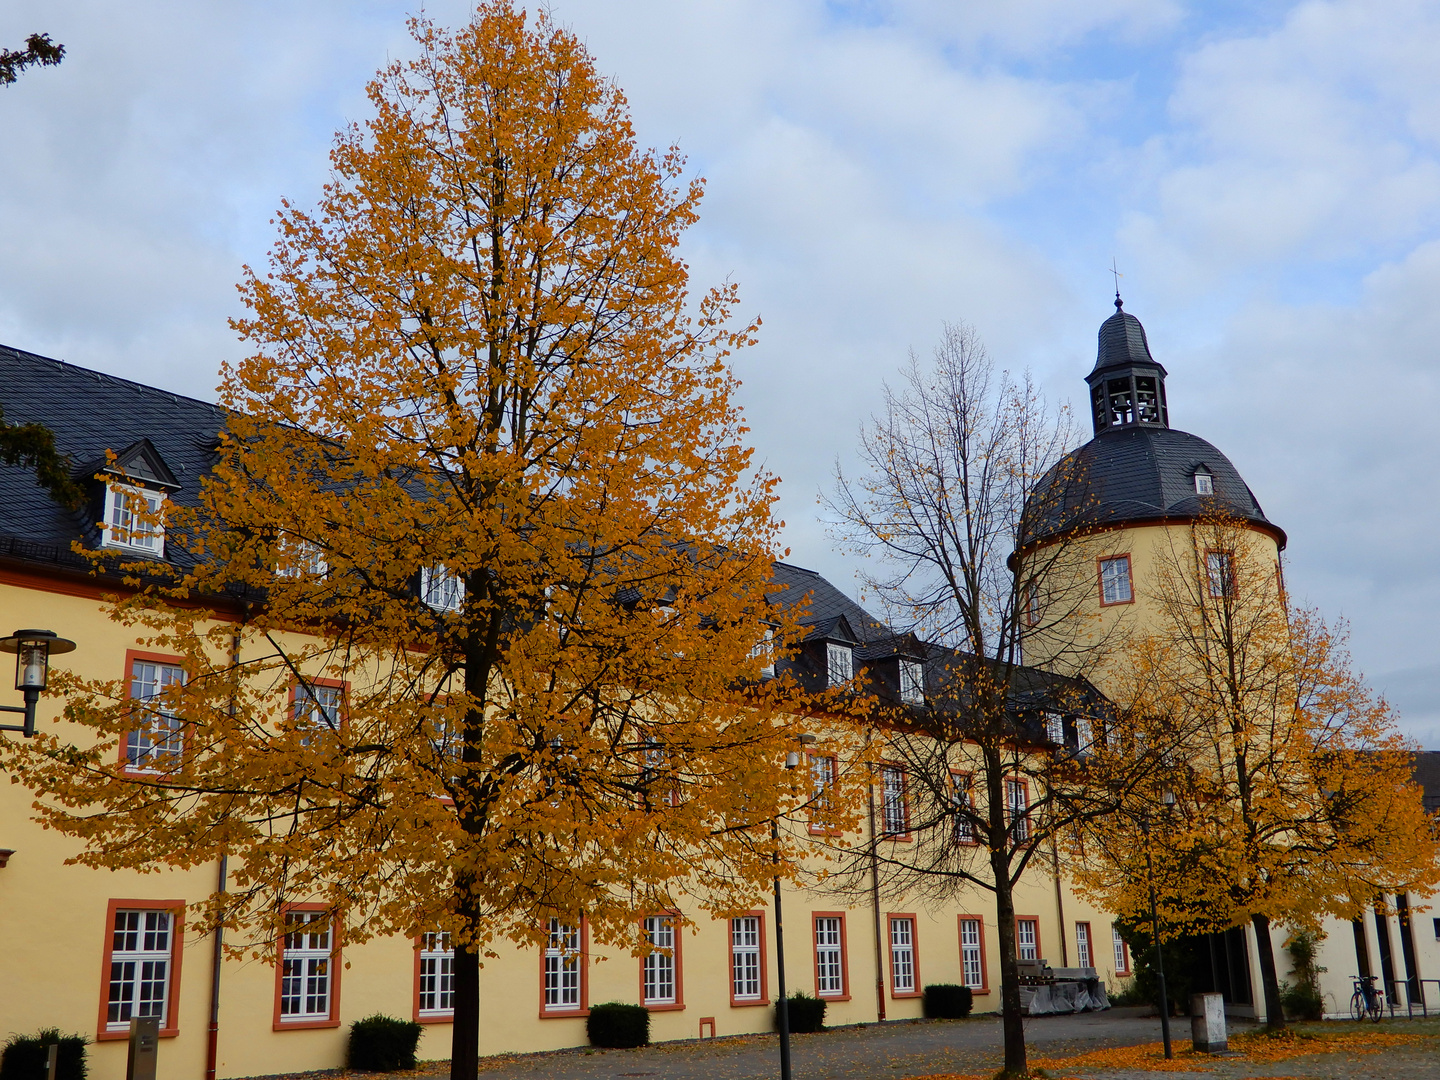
column 836, row 629
column 140, row 463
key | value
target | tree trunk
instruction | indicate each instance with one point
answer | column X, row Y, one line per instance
column 1012, row 1020
column 1274, row 1014
column 465, row 1031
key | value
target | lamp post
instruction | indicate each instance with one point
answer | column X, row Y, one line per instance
column 1168, row 798
column 32, row 649
column 782, row 1011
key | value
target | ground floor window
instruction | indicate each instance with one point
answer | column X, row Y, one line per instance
column 1122, row 954
column 830, row 955
column 1082, row 945
column 564, row 967
column 746, row 959
column 437, row 976
column 141, row 964
column 660, row 984
column 972, row 953
column 1027, row 939
column 306, row 968
column 902, row 955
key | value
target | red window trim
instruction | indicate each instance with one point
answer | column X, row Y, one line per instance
column 1100, row 579
column 1124, row 949
column 131, row 655
column 969, row 789
column 907, row 835
column 1089, row 940
column 679, row 1002
column 844, row 955
column 584, row 1009
column 171, row 1027
column 822, row 829
column 335, row 967
column 914, row 952
column 432, row 1018
column 764, row 998
column 984, row 988
column 1039, row 952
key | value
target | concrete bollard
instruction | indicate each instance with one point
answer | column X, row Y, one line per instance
column 1207, row 1023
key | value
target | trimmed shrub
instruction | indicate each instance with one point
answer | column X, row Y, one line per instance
column 807, row 1014
column 24, row 1056
column 618, row 1025
column 382, row 1044
column 946, row 1001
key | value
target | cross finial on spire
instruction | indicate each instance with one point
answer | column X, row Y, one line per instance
column 1119, row 304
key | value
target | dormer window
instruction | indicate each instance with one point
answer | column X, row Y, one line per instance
column 912, row 682
column 441, row 589
column 764, row 651
column 839, row 664
column 1204, row 481
column 300, row 559
column 132, row 519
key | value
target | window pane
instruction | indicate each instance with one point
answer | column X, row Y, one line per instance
column 972, row 969
column 902, row 956
column 139, row 983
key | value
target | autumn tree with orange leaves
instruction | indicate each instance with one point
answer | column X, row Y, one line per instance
column 1292, row 790
column 503, row 561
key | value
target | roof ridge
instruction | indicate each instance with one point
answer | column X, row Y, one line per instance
column 26, row 354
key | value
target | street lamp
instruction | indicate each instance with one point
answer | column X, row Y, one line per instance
column 782, row 1013
column 32, row 649
column 1168, row 798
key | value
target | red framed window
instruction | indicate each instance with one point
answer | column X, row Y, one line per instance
column 1084, row 955
column 974, row 972
column 317, row 708
column 1017, row 810
column 307, row 978
column 157, row 740
column 832, row 964
column 962, row 792
column 1122, row 952
column 1027, row 939
column 904, row 955
column 1115, row 584
column 434, row 978
column 661, row 985
column 824, row 771
column 894, row 803
column 564, row 974
column 748, row 977
column 140, row 970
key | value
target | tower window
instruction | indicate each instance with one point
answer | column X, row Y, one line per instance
column 1115, row 580
column 1122, row 407
column 1204, row 482
column 1147, row 401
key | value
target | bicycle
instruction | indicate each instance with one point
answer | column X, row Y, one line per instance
column 1367, row 1000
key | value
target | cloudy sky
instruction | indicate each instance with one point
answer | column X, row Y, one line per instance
column 1267, row 175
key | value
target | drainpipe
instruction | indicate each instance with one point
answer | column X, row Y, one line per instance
column 1060, row 905
column 212, row 1038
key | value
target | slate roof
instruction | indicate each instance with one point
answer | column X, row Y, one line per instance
column 90, row 413
column 1122, row 343
column 1426, row 770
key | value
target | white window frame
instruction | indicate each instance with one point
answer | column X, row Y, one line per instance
column 1204, row 483
column 764, row 651
column 307, row 974
column 1115, row 584
column 894, row 813
column 1220, row 574
column 564, row 959
column 823, row 768
column 1055, row 727
column 1122, row 954
column 158, row 737
column 437, row 976
column 300, row 558
column 1027, row 949
column 1082, row 945
column 746, row 983
column 963, row 795
column 912, row 682
column 972, row 953
column 839, row 664
column 142, row 949
column 829, row 956
column 122, row 529
column 902, row 954
column 1017, row 809
column 440, row 589
column 317, row 707
column 659, row 967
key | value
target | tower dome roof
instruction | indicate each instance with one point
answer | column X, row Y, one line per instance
column 1137, row 469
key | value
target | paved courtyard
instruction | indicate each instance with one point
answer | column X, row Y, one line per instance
column 1086, row 1047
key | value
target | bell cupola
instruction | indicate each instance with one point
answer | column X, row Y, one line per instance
column 1127, row 386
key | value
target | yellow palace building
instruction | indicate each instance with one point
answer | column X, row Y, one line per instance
column 86, row 950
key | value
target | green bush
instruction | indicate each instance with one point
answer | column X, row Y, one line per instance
column 946, row 1001
column 807, row 1014
column 382, row 1044
column 1303, row 1000
column 25, row 1056
column 615, row 1024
